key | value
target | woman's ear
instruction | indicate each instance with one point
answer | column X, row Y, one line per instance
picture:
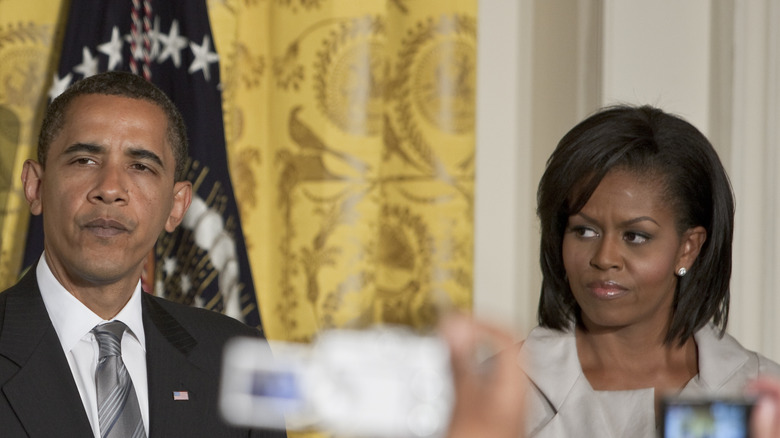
column 690, row 246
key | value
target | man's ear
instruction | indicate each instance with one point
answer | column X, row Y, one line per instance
column 692, row 241
column 32, row 181
column 182, row 197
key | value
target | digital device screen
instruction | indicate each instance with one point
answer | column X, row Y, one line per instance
column 278, row 384
column 706, row 418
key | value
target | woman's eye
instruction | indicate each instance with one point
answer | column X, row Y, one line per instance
column 585, row 232
column 636, row 238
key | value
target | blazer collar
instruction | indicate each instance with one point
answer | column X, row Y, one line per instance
column 25, row 320
column 44, row 383
column 554, row 369
column 548, row 353
column 173, row 363
column 168, row 326
column 719, row 358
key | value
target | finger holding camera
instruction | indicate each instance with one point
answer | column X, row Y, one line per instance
column 489, row 394
column 765, row 419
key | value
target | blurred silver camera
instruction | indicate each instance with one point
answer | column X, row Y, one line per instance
column 382, row 382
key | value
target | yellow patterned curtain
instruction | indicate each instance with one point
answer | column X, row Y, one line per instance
column 27, row 35
column 350, row 131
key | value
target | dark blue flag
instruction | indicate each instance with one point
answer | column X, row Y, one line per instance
column 204, row 262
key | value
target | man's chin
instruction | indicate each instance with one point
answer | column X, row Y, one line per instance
column 105, row 272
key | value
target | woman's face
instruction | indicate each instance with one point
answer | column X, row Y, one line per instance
column 621, row 252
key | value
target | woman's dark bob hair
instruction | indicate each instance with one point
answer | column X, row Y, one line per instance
column 649, row 142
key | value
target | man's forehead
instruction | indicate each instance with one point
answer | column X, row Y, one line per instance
column 103, row 104
column 77, row 103
column 87, row 108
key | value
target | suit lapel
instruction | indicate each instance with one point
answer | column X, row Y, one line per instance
column 44, row 382
column 170, row 368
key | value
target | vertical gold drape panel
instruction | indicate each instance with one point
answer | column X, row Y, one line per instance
column 27, row 35
column 350, row 132
column 350, row 128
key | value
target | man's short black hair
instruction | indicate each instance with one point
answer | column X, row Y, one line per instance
column 116, row 83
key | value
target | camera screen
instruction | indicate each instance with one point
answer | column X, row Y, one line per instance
column 278, row 384
column 706, row 419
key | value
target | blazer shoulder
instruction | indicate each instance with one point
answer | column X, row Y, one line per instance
column 196, row 320
column 28, row 281
column 767, row 366
column 27, row 287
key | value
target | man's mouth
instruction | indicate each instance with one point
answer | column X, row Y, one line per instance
column 104, row 227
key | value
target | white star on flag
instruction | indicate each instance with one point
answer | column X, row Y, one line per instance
column 89, row 64
column 173, row 44
column 138, row 53
column 113, row 49
column 199, row 301
column 169, row 266
column 186, row 284
column 59, row 85
column 154, row 36
column 203, row 57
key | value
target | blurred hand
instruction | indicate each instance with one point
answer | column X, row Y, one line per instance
column 489, row 398
column 765, row 421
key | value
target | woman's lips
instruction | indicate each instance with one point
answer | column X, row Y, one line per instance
column 606, row 290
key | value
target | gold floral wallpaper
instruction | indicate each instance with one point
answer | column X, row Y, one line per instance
column 351, row 135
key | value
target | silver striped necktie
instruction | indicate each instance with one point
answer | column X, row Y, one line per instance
column 118, row 412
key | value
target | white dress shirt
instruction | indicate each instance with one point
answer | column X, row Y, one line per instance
column 73, row 322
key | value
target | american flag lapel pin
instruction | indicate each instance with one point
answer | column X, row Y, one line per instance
column 181, row 395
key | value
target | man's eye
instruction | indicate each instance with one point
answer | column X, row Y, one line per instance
column 141, row 167
column 84, row 160
column 636, row 238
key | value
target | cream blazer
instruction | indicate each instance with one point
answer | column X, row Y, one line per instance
column 561, row 402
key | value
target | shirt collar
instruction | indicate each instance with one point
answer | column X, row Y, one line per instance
column 72, row 319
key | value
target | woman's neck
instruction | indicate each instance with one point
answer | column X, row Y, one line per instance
column 630, row 358
column 615, row 360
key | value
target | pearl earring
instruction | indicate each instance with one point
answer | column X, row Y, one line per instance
column 681, row 272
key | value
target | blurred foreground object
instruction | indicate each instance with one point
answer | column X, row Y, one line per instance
column 702, row 415
column 489, row 396
column 383, row 382
column 765, row 421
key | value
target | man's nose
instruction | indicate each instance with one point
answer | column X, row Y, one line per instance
column 111, row 185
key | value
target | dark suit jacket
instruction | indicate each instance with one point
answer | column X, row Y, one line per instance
column 39, row 398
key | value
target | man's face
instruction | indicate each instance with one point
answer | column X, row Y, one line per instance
column 107, row 191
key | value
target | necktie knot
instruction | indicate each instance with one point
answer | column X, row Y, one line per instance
column 109, row 338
